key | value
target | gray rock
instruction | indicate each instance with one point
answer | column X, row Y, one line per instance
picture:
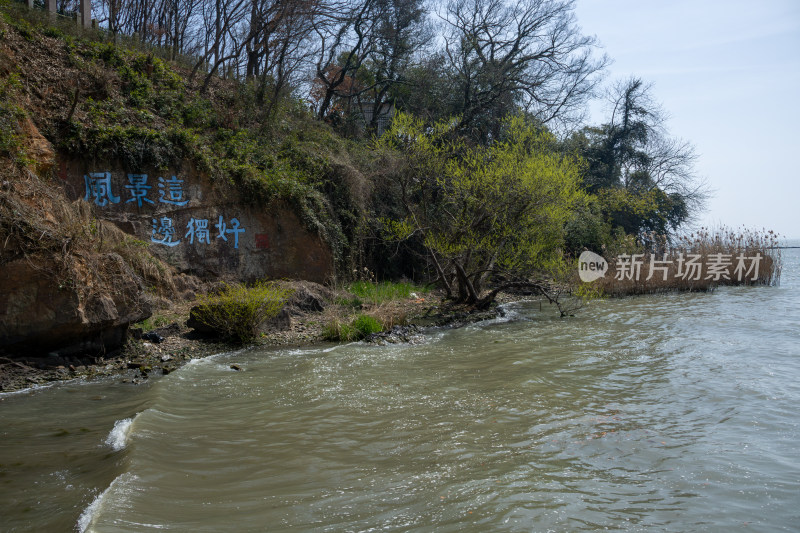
column 197, row 324
column 281, row 322
column 309, row 297
column 397, row 335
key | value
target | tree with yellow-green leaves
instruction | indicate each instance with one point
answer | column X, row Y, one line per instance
column 482, row 213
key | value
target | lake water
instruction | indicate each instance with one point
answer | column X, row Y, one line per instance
column 666, row 413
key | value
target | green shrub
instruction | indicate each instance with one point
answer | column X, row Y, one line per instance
column 11, row 115
column 134, row 146
column 154, row 322
column 238, row 311
column 24, row 28
column 53, row 32
column 198, row 113
column 110, row 54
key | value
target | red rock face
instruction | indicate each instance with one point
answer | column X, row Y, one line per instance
column 200, row 227
column 83, row 309
column 37, row 147
column 76, row 298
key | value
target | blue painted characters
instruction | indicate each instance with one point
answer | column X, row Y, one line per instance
column 98, row 188
column 165, row 229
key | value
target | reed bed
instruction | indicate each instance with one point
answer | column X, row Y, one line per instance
column 700, row 261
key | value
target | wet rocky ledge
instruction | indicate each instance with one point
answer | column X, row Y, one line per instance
column 163, row 350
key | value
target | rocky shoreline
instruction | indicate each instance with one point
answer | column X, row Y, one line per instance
column 163, row 350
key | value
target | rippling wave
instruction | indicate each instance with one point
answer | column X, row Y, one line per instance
column 118, row 437
column 654, row 413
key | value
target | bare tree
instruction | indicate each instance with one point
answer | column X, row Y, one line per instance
column 402, row 34
column 179, row 15
column 224, row 40
column 527, row 54
column 110, row 14
column 498, row 56
column 280, row 44
column 346, row 37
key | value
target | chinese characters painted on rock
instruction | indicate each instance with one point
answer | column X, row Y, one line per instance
column 169, row 191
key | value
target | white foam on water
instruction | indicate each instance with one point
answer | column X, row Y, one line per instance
column 212, row 359
column 28, row 390
column 88, row 515
column 509, row 312
column 39, row 387
column 338, row 346
column 118, row 437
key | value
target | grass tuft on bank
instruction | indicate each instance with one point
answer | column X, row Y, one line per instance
column 342, row 330
column 380, row 292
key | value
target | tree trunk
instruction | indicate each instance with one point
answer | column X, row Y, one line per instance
column 487, row 300
column 463, row 282
column 442, row 276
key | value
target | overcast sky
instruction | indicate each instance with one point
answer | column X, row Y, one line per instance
column 728, row 74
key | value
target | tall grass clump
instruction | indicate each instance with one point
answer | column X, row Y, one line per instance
column 237, row 312
column 338, row 329
column 377, row 293
column 745, row 241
